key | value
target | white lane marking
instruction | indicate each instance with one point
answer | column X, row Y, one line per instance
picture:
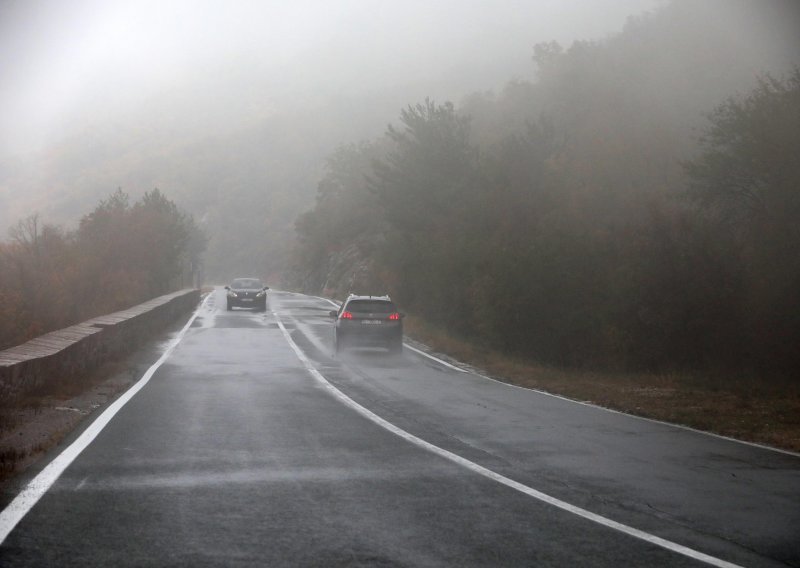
column 494, row 476
column 325, row 300
column 421, row 352
column 592, row 405
column 208, row 318
column 39, row 485
column 645, row 418
column 310, row 335
column 429, row 356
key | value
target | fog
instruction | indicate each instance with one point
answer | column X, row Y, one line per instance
column 71, row 62
column 232, row 108
column 624, row 173
column 95, row 72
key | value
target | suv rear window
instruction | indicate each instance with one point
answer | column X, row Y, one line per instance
column 371, row 306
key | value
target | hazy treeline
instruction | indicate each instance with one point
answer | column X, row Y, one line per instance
column 121, row 254
column 594, row 218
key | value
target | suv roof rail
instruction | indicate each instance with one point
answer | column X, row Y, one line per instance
column 370, row 296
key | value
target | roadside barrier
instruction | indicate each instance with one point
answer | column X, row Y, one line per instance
column 59, row 356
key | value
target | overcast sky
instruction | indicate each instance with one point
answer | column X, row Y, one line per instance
column 62, row 58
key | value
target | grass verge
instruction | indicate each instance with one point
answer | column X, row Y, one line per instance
column 760, row 411
column 33, row 424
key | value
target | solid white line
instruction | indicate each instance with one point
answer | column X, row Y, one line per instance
column 645, row 418
column 479, row 469
column 326, row 300
column 592, row 405
column 310, row 335
column 429, row 356
column 34, row 491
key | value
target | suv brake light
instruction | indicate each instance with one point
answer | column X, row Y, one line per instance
column 394, row 316
column 347, row 315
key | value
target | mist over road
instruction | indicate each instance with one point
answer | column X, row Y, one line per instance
column 235, row 454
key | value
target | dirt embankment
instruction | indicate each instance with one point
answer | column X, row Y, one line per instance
column 32, row 426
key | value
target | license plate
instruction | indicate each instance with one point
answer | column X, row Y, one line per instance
column 247, row 299
column 371, row 322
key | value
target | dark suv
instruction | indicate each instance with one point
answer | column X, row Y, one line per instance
column 247, row 293
column 368, row 321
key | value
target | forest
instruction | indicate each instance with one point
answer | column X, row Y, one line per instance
column 121, row 254
column 633, row 206
column 622, row 212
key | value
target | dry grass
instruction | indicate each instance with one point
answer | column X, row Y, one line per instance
column 9, row 458
column 747, row 409
column 16, row 455
column 32, row 424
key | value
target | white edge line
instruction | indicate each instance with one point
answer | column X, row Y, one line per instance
column 38, row 486
column 597, row 406
column 429, row 356
column 494, row 476
column 645, row 418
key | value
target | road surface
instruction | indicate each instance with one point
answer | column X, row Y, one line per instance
column 252, row 445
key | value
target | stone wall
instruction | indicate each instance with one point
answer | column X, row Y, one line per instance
column 74, row 351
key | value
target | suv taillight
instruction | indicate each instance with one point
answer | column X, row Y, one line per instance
column 347, row 316
column 394, row 316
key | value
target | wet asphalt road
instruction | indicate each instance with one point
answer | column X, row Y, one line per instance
column 235, row 455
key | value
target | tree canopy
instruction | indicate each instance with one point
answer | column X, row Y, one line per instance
column 580, row 220
column 120, row 254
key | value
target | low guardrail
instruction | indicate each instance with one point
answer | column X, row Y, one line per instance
column 79, row 349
